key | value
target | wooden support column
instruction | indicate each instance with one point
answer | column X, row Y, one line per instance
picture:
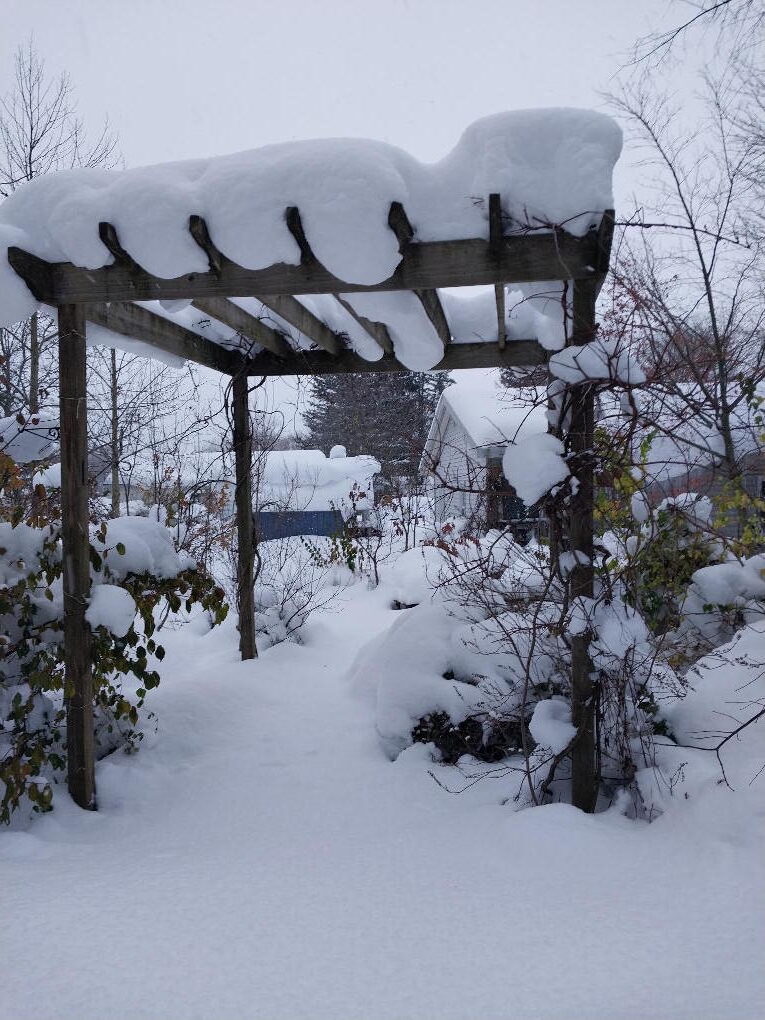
column 580, row 526
column 244, row 529
column 76, row 556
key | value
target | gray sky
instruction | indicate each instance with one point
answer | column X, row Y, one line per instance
column 185, row 78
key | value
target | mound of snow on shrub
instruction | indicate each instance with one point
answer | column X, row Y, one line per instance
column 535, row 465
column 551, row 725
column 111, row 607
column 414, row 576
column 404, row 670
column 148, row 549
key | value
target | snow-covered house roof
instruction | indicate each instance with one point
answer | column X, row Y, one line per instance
column 308, row 480
column 361, row 231
column 488, row 417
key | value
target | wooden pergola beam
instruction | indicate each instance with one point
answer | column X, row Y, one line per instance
column 399, row 223
column 303, row 320
column 245, row 324
column 140, row 324
column 518, row 353
column 284, row 305
column 553, row 255
column 378, row 331
column 496, row 235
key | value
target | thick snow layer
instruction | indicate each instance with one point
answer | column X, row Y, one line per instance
column 534, row 466
column 406, row 667
column 599, row 359
column 550, row 166
column 35, row 439
column 490, row 414
column 137, row 545
column 551, row 725
column 309, row 480
column 416, row 574
column 262, row 858
column 21, row 546
column 111, row 607
column 49, row 477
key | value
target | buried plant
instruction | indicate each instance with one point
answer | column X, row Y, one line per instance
column 32, row 687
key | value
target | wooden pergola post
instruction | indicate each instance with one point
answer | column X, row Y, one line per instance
column 244, row 529
column 78, row 672
column 580, row 528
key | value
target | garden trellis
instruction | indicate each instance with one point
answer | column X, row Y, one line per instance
column 482, row 218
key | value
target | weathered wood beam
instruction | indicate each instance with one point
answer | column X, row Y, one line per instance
column 377, row 330
column 284, row 305
column 428, row 297
column 526, row 258
column 604, row 241
column 244, row 323
column 245, row 549
column 140, row 324
column 517, row 353
column 75, row 539
column 496, row 235
column 303, row 320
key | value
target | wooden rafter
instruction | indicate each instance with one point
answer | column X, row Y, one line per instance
column 378, row 331
column 303, row 320
column 246, row 325
column 139, row 323
column 496, row 236
column 519, row 353
column 428, row 297
column 283, row 305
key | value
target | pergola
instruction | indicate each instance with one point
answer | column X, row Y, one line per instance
column 109, row 296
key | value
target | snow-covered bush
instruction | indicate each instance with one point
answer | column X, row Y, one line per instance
column 135, row 569
column 295, row 577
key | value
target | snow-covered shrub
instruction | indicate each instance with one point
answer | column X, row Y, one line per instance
column 135, row 568
column 723, row 597
column 671, row 545
column 295, row 577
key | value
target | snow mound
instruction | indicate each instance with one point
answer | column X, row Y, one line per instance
column 535, row 465
column 551, row 724
column 550, row 167
column 405, row 667
column 49, row 477
column 599, row 359
column 148, row 548
column 415, row 575
column 111, row 607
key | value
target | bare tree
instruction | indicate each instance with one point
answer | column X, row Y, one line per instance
column 41, row 132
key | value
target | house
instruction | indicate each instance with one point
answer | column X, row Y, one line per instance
column 475, row 420
column 304, row 492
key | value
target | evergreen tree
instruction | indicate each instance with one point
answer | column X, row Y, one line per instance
column 385, row 414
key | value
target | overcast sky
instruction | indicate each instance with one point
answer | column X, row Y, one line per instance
column 186, row 78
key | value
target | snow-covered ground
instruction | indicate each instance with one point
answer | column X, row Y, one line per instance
column 261, row 857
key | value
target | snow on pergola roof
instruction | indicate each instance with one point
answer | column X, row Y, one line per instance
column 327, row 256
